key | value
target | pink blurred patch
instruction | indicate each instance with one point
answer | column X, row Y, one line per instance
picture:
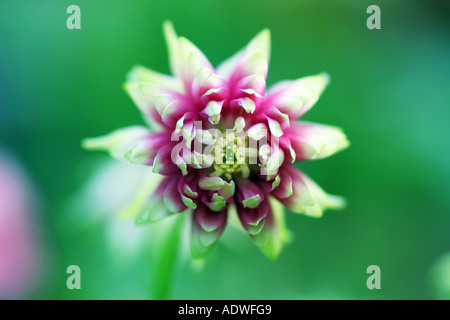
column 19, row 248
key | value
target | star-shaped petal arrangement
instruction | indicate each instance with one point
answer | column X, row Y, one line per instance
column 223, row 144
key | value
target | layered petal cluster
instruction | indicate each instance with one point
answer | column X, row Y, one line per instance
column 223, row 143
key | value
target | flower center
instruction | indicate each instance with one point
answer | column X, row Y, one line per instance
column 230, row 155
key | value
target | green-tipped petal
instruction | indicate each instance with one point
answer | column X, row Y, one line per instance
column 213, row 110
column 258, row 131
column 308, row 198
column 126, row 144
column 252, row 202
column 211, row 183
column 272, row 239
column 316, row 141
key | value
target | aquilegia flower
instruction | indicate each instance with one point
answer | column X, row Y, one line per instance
column 223, row 144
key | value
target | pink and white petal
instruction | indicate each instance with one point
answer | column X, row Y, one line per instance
column 252, row 85
column 172, row 198
column 253, row 219
column 285, row 187
column 249, row 194
column 272, row 234
column 316, row 141
column 289, row 151
column 186, row 59
column 214, row 201
column 192, row 60
column 207, row 227
column 154, row 99
column 188, row 185
column 163, row 163
column 308, row 197
column 301, row 196
column 208, row 86
column 274, row 161
column 296, row 97
column 213, row 111
column 210, row 220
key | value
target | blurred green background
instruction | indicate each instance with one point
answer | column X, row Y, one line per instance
column 389, row 90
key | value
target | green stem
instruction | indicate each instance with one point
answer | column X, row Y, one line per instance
column 166, row 257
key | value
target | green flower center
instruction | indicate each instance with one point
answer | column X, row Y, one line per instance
column 230, row 156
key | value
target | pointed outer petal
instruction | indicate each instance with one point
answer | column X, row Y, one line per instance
column 142, row 74
column 245, row 103
column 163, row 101
column 308, row 197
column 213, row 201
column 249, row 194
column 253, row 85
column 172, row 198
column 207, row 227
column 173, row 47
column 154, row 208
column 128, row 144
column 284, row 189
column 163, row 161
column 294, row 98
column 185, row 58
column 289, row 152
column 211, row 183
column 227, row 191
column 212, row 111
column 237, row 67
column 274, row 234
column 192, row 60
column 253, row 220
column 316, row 141
column 258, row 131
column 155, row 100
column 143, row 95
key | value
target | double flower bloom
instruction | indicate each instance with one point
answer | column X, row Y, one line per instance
column 222, row 144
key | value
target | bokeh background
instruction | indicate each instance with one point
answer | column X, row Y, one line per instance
column 389, row 90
